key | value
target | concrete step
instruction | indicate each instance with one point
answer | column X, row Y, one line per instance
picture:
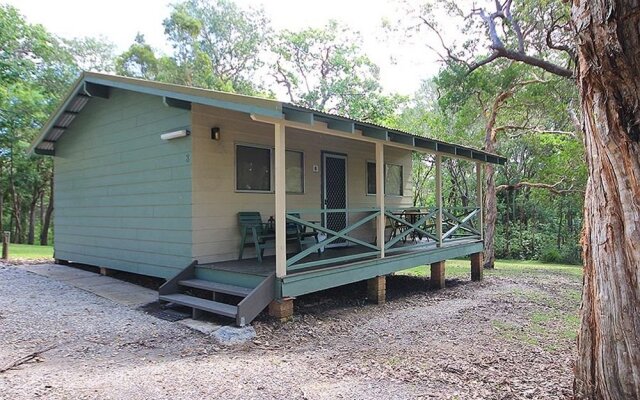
column 201, row 304
column 216, row 287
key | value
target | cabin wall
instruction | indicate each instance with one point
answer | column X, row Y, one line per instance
column 123, row 195
column 215, row 201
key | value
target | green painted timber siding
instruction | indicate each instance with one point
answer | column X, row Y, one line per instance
column 123, row 195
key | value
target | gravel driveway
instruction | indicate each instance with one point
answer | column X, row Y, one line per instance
column 509, row 337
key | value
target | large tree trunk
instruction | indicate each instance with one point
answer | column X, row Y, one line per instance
column 490, row 217
column 33, row 205
column 608, row 362
column 16, row 214
column 490, row 201
column 44, row 234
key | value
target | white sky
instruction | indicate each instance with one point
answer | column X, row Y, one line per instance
column 120, row 20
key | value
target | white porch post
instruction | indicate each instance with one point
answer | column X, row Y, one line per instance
column 380, row 195
column 281, row 201
column 439, row 199
column 479, row 199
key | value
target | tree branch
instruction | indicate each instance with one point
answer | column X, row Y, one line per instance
column 551, row 188
column 499, row 49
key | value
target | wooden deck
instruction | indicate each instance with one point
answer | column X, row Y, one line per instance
column 339, row 273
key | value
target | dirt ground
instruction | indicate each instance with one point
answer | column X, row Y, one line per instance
column 508, row 337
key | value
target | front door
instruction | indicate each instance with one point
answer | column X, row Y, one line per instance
column 334, row 192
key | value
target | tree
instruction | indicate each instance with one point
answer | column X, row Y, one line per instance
column 608, row 66
column 91, row 54
column 607, row 58
column 325, row 69
column 35, row 69
column 490, row 107
column 217, row 45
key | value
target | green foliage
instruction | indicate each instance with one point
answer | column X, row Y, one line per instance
column 91, row 54
column 139, row 61
column 217, row 45
column 35, row 69
column 325, row 69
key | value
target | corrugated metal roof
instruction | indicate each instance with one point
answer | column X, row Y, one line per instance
column 93, row 84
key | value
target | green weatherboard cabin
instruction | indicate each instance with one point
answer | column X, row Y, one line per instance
column 252, row 198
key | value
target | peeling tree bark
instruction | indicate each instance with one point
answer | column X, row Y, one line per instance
column 490, row 201
column 608, row 362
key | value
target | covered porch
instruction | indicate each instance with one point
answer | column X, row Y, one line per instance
column 346, row 214
column 381, row 234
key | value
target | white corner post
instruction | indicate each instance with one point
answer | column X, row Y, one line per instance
column 380, row 195
column 281, row 201
column 479, row 199
column 439, row 199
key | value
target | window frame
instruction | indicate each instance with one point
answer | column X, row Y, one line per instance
column 386, row 169
column 302, row 161
column 271, row 169
column 366, row 182
column 235, row 168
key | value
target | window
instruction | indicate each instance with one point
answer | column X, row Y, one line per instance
column 295, row 171
column 253, row 169
column 371, row 178
column 393, row 179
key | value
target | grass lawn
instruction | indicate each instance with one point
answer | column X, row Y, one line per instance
column 462, row 269
column 30, row 252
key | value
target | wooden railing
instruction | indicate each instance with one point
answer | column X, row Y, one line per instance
column 406, row 229
column 332, row 236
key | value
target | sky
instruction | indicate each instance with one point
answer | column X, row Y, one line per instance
column 402, row 67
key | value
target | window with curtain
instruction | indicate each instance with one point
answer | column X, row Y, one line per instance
column 295, row 171
column 393, row 179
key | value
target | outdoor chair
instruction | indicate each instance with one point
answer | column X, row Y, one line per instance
column 262, row 235
column 304, row 235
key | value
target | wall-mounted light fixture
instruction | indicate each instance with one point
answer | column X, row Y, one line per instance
column 215, row 133
column 175, row 134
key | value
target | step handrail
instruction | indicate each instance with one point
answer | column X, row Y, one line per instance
column 256, row 301
column 171, row 285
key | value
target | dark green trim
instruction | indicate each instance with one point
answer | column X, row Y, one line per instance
column 43, row 152
column 176, row 103
column 96, row 90
column 165, row 90
column 303, row 117
column 312, row 281
column 372, row 132
column 404, row 139
column 446, row 148
column 426, row 143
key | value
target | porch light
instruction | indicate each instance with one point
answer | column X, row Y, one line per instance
column 175, row 134
column 215, row 133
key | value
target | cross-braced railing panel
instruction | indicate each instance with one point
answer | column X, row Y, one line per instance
column 460, row 223
column 366, row 216
column 406, row 229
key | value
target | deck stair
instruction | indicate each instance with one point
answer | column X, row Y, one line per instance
column 254, row 300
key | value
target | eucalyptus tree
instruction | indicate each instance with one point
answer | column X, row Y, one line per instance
column 215, row 45
column 596, row 45
column 326, row 69
column 35, row 69
column 491, row 107
column 218, row 45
